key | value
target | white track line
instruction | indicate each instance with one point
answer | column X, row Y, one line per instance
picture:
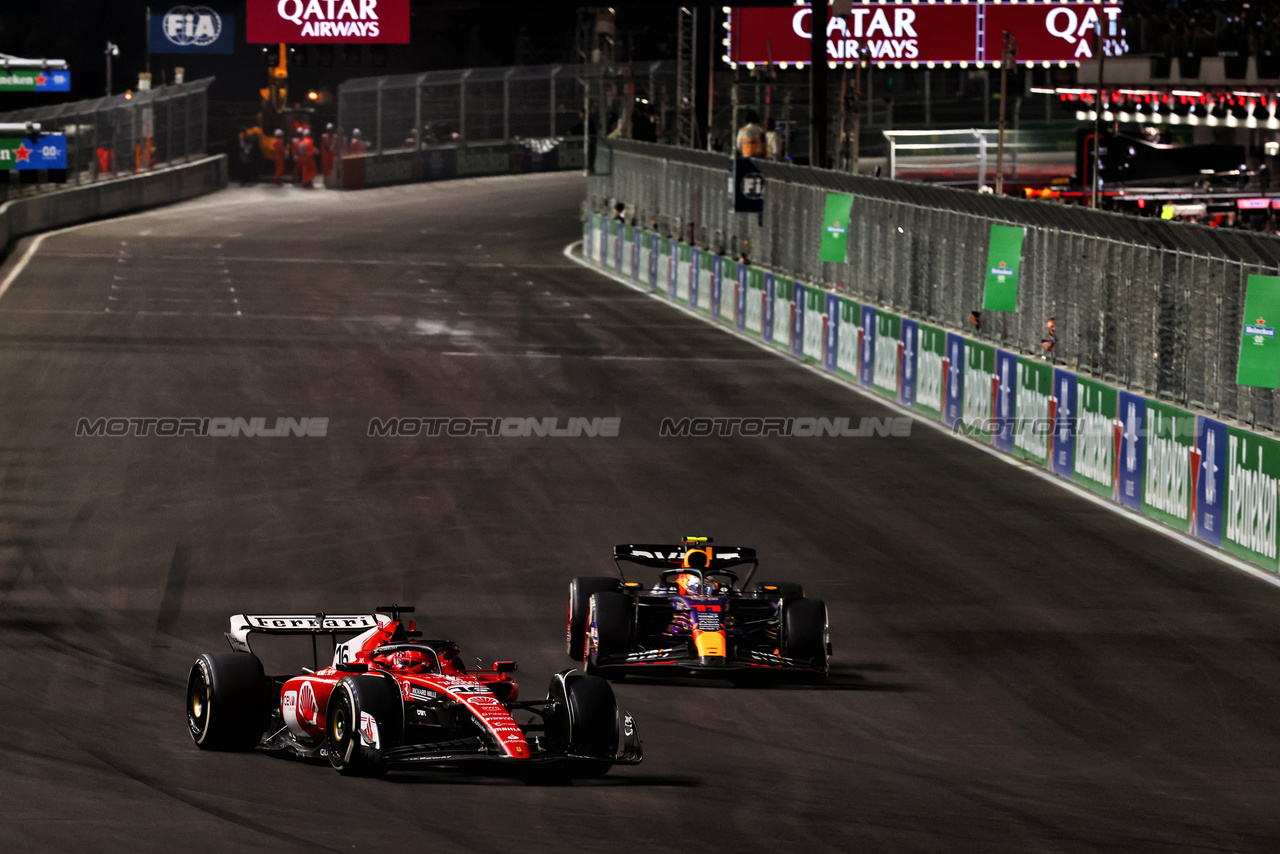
column 1150, row 524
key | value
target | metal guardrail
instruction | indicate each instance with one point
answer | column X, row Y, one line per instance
column 495, row 104
column 1146, row 303
column 119, row 134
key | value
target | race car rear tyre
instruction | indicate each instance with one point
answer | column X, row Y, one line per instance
column 804, row 631
column 580, row 590
column 614, row 615
column 781, row 589
column 228, row 701
column 347, row 729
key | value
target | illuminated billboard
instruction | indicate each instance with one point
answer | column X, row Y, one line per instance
column 327, row 21
column 925, row 33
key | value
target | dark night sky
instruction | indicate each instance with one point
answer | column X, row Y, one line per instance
column 444, row 33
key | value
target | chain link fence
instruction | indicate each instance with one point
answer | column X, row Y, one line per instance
column 477, row 105
column 121, row 134
column 1146, row 303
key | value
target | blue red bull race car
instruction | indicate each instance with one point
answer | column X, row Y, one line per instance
column 389, row 699
column 698, row 617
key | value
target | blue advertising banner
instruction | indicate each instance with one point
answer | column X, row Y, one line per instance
column 1210, row 479
column 57, row 80
column 1006, row 400
column 953, row 380
column 831, row 340
column 638, row 237
column 1133, row 420
column 695, row 264
column 770, row 286
column 799, row 293
column 46, row 151
column 907, row 371
column 867, row 362
column 439, row 164
column 192, row 29
column 740, row 298
column 1062, row 448
column 653, row 261
column 717, row 285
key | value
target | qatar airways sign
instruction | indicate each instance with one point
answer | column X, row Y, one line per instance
column 917, row 32
column 327, row 21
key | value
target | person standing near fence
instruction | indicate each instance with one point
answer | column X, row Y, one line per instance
column 750, row 142
column 328, row 149
column 277, row 155
column 307, row 159
column 357, row 142
column 772, row 140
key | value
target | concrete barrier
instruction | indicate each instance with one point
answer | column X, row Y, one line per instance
column 112, row 197
column 439, row 163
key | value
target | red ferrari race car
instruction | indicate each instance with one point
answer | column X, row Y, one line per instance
column 391, row 700
column 698, row 617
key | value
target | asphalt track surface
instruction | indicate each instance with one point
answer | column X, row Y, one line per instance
column 1016, row 669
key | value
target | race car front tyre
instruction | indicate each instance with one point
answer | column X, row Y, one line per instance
column 593, row 723
column 364, row 718
column 780, row 589
column 228, row 701
column 580, row 590
column 804, row 631
column 614, row 616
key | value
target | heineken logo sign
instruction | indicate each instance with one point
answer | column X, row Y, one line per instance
column 36, row 80
column 47, row 151
column 1259, row 355
column 1259, row 330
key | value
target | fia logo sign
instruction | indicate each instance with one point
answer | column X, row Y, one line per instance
column 192, row 26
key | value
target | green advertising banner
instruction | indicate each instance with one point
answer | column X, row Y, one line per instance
column 1095, row 436
column 684, row 258
column 884, row 368
column 979, row 370
column 815, row 311
column 1004, row 257
column 1259, row 363
column 664, row 264
column 1031, row 421
column 930, row 353
column 1166, row 485
column 706, row 268
column 1253, row 484
column 835, row 228
column 847, row 338
column 783, row 290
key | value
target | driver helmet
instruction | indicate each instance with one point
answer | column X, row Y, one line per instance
column 411, row 661
column 688, row 584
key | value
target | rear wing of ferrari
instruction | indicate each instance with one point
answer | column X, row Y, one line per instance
column 316, row 625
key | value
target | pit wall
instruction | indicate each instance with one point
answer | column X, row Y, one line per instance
column 1203, row 477
column 440, row 163
column 112, row 197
